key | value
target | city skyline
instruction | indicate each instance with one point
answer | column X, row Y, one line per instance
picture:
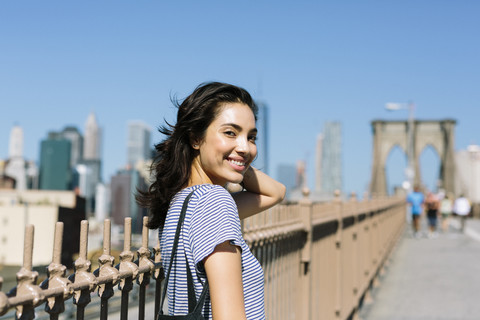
column 310, row 62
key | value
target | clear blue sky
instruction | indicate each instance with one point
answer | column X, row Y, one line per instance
column 311, row 61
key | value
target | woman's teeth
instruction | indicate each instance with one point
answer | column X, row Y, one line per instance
column 238, row 163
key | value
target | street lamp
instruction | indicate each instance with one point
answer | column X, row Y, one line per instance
column 410, row 171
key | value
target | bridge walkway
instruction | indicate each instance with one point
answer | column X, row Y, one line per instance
column 430, row 278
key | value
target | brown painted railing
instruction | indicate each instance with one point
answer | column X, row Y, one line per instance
column 320, row 260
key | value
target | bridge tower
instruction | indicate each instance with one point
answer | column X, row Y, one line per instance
column 437, row 133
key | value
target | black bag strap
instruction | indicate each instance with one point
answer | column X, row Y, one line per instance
column 193, row 306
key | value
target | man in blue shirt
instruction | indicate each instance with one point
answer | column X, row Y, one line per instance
column 416, row 200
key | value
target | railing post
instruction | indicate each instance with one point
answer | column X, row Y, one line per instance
column 4, row 305
column 56, row 277
column 26, row 279
column 144, row 261
column 355, row 259
column 127, row 265
column 106, row 271
column 306, row 256
column 338, row 245
column 82, row 273
column 158, row 276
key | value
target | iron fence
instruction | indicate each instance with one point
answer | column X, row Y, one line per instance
column 320, row 261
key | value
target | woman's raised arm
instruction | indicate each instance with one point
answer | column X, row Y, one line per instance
column 261, row 192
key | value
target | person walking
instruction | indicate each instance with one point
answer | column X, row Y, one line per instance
column 462, row 207
column 211, row 146
column 432, row 205
column 416, row 200
column 446, row 209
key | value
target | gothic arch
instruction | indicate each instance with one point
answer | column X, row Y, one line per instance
column 438, row 134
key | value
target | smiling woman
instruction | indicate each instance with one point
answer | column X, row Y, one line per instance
column 211, row 145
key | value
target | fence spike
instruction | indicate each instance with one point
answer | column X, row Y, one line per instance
column 127, row 257
column 144, row 254
column 4, row 305
column 26, row 279
column 56, row 276
column 106, row 260
column 82, row 271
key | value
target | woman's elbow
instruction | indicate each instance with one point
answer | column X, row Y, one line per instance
column 282, row 190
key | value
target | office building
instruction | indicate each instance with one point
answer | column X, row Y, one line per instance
column 55, row 171
column 123, row 189
column 262, row 160
column 76, row 140
column 318, row 163
column 16, row 165
column 331, row 159
column 286, row 174
column 138, row 143
column 92, row 142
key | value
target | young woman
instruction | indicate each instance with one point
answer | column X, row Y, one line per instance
column 211, row 145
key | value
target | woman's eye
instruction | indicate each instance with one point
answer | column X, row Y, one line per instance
column 230, row 133
column 252, row 138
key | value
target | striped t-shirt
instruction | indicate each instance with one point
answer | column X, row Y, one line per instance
column 211, row 218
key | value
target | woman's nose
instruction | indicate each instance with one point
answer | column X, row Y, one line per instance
column 242, row 145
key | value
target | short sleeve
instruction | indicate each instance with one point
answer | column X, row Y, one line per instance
column 214, row 220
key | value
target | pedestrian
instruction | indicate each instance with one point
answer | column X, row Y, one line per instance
column 446, row 209
column 432, row 205
column 416, row 200
column 461, row 207
column 211, row 145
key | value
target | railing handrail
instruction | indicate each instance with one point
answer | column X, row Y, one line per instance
column 282, row 238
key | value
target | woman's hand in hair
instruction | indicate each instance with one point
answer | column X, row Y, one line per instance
column 260, row 193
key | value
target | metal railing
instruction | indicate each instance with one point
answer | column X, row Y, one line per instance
column 320, row 260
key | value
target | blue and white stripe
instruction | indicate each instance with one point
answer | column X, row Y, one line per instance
column 211, row 218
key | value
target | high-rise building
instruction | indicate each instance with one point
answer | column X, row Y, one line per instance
column 318, row 163
column 287, row 174
column 124, row 186
column 16, row 165
column 55, row 171
column 262, row 160
column 138, row 142
column 92, row 145
column 76, row 139
column 331, row 160
column 15, row 147
column 86, row 177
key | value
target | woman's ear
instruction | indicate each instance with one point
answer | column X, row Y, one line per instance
column 195, row 144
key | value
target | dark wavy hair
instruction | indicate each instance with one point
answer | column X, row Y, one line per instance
column 171, row 166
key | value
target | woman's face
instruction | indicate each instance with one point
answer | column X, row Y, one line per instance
column 228, row 147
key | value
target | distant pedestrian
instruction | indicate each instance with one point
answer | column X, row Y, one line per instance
column 446, row 209
column 432, row 204
column 461, row 207
column 416, row 200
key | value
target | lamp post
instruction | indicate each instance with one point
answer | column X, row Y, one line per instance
column 410, row 171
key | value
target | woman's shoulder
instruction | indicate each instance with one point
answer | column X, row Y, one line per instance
column 208, row 192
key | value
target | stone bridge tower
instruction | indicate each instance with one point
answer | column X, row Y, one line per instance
column 388, row 134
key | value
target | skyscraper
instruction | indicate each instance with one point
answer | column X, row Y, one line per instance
column 124, row 186
column 262, row 160
column 287, row 174
column 331, row 159
column 15, row 147
column 318, row 163
column 15, row 167
column 76, row 139
column 55, row 171
column 92, row 147
column 138, row 142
